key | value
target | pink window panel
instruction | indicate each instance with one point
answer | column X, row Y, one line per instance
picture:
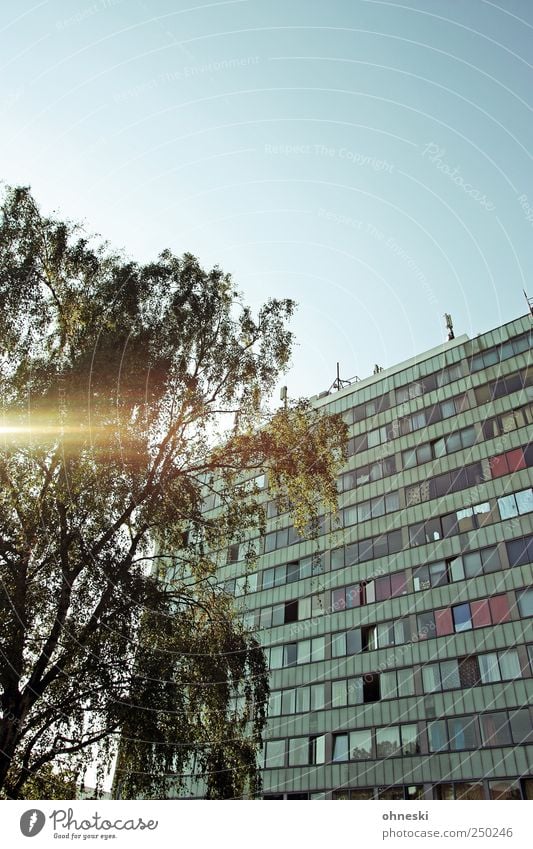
column 499, row 466
column 443, row 622
column 515, row 460
column 338, row 600
column 480, row 613
column 499, row 608
column 398, row 584
column 382, row 588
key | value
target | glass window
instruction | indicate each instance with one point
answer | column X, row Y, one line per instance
column 338, row 645
column 388, row 741
column 353, row 642
column 409, row 458
column 495, row 729
column 278, row 615
column 468, row 436
column 520, row 726
column 449, row 674
column 406, row 683
column 472, row 564
column 421, row 580
column 525, row 602
column 302, row 700
column 426, row 625
column 317, row 696
column 431, row 678
column 353, row 596
column 290, row 654
column 402, row 631
column 461, row 731
column 340, row 747
column 509, row 664
column 490, row 559
column 360, row 745
column 507, row 507
column 423, row 453
column 280, row 574
column 410, row 744
column 383, row 589
column 318, row 648
column 504, row 790
column 339, row 697
column 298, row 751
column 275, row 753
column 388, row 685
column 438, row 738
column 447, row 409
column 274, row 703
column 524, row 501
column 276, row 657
column 288, row 701
column 355, row 691
column 317, row 749
column 489, row 668
column 337, row 559
column 392, row 502
column 461, row 617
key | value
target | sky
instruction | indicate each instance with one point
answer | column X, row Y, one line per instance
column 370, row 159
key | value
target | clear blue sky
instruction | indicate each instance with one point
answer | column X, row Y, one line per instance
column 370, row 159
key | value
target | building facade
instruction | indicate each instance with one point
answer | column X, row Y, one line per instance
column 401, row 643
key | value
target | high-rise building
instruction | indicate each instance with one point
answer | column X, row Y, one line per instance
column 401, row 651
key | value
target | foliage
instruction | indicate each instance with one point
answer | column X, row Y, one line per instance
column 129, row 393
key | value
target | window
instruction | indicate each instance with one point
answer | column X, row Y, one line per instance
column 317, row 750
column 299, row 751
column 448, row 375
column 340, row 747
column 397, row 683
column 233, row 553
column 426, row 625
column 275, row 754
column 433, row 575
column 437, row 736
column 495, row 729
column 504, row 790
column 360, row 745
column 520, row 551
column 290, row 654
column 388, row 741
column 515, row 504
column 462, row 619
column 462, row 733
column 525, row 602
column 520, row 723
column 461, row 790
column 440, row 676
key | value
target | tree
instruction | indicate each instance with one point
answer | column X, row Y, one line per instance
column 130, row 392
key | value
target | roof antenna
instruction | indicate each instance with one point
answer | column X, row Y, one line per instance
column 449, row 326
column 529, row 302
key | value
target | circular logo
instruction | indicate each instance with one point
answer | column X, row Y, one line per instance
column 32, row 822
